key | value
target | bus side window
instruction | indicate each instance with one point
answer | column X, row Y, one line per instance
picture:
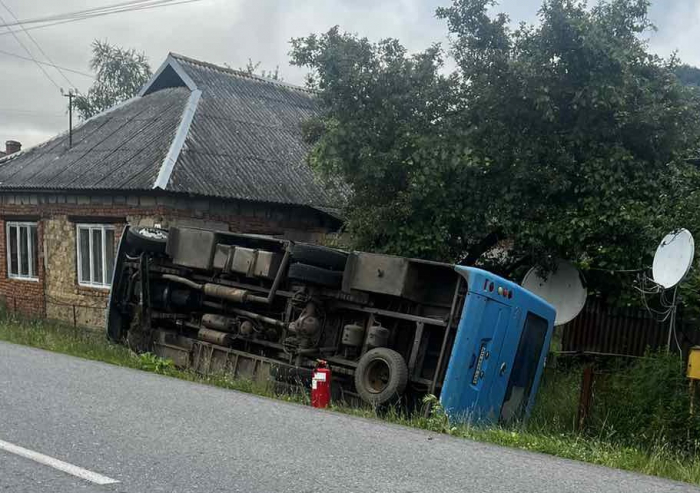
column 522, row 375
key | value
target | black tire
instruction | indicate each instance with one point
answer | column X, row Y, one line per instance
column 315, row 275
column 117, row 324
column 150, row 240
column 381, row 376
column 319, row 256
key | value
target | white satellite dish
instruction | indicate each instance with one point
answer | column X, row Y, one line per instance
column 563, row 289
column 673, row 258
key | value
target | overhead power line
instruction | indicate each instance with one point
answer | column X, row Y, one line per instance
column 30, row 112
column 132, row 6
column 57, row 23
column 52, row 20
column 41, row 67
column 87, row 12
column 41, row 26
column 36, row 43
column 43, row 22
column 84, row 74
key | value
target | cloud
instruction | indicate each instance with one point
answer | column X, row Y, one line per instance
column 231, row 31
column 676, row 21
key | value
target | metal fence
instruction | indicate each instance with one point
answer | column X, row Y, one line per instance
column 605, row 329
column 73, row 312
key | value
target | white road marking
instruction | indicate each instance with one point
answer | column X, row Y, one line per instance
column 76, row 471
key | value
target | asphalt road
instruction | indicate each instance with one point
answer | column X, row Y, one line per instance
column 157, row 434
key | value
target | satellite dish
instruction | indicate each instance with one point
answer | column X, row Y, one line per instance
column 563, row 289
column 673, row 258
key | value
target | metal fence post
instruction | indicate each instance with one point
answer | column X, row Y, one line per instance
column 692, row 387
column 586, row 397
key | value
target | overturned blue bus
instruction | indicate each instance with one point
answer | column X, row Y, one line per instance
column 391, row 328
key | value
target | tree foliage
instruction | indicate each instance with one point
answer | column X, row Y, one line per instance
column 252, row 68
column 382, row 133
column 562, row 139
column 688, row 75
column 120, row 74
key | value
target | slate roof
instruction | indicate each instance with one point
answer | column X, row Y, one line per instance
column 241, row 140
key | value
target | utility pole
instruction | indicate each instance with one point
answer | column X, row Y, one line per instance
column 70, row 97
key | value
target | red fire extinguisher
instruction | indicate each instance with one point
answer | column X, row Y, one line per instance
column 321, row 385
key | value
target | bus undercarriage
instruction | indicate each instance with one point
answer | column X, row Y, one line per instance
column 265, row 309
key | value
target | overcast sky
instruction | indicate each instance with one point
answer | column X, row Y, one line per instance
column 231, row 31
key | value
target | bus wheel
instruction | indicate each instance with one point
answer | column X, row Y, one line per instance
column 150, row 240
column 381, row 376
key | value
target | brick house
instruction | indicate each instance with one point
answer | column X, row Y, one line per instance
column 200, row 145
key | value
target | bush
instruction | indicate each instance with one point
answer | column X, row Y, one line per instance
column 643, row 404
column 556, row 404
column 648, row 404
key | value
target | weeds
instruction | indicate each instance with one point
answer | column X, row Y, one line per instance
column 549, row 431
column 151, row 362
column 655, row 408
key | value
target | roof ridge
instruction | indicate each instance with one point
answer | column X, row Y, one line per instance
column 240, row 73
column 178, row 142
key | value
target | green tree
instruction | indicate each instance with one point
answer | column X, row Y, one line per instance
column 688, row 75
column 384, row 132
column 252, row 68
column 120, row 74
column 563, row 139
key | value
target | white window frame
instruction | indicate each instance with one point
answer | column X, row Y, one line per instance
column 18, row 225
column 93, row 227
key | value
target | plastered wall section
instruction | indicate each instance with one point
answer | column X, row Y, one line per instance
column 65, row 298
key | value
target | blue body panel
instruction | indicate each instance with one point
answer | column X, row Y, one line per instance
column 486, row 347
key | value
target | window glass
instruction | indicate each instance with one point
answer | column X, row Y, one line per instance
column 522, row 375
column 109, row 254
column 34, row 242
column 97, row 256
column 23, row 252
column 14, row 266
column 84, row 255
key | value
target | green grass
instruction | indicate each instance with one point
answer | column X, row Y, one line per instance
column 93, row 345
column 548, row 432
column 658, row 460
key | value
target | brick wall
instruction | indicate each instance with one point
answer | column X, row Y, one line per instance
column 58, row 295
column 21, row 295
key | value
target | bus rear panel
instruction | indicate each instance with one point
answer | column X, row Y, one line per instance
column 499, row 351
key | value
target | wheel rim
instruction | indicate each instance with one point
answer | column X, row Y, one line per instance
column 152, row 233
column 377, row 376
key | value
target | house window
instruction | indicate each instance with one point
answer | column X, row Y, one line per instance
column 22, row 251
column 95, row 245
